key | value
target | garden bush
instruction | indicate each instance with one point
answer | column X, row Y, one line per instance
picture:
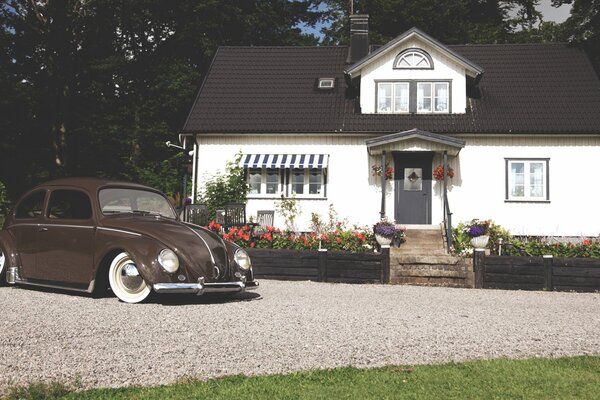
column 526, row 246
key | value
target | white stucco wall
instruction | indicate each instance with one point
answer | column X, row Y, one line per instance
column 443, row 69
column 476, row 191
column 479, row 186
column 351, row 189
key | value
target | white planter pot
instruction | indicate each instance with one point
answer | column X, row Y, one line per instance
column 382, row 240
column 480, row 242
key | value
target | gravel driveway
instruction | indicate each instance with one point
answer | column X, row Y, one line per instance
column 284, row 326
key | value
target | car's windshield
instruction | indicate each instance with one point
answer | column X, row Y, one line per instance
column 123, row 201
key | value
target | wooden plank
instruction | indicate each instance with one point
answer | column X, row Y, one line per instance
column 353, row 274
column 512, row 286
column 577, row 262
column 357, row 281
column 591, row 272
column 286, row 271
column 534, row 270
column 337, row 255
column 513, row 260
column 506, row 278
column 576, row 289
column 355, row 265
column 576, row 281
column 290, row 263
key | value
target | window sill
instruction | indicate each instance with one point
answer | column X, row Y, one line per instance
column 527, row 201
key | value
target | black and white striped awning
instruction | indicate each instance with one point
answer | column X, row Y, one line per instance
column 285, row 161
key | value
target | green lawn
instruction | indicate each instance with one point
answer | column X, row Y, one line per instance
column 563, row 378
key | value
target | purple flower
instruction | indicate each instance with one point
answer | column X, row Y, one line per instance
column 385, row 229
column 476, row 230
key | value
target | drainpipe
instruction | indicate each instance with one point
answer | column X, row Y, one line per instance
column 382, row 213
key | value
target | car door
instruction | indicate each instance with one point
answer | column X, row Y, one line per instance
column 27, row 218
column 66, row 239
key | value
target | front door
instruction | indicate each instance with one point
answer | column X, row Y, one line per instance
column 413, row 187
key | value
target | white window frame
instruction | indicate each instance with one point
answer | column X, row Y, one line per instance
column 393, row 99
column 432, row 96
column 527, row 176
column 263, row 183
column 306, row 184
column 326, row 83
column 423, row 61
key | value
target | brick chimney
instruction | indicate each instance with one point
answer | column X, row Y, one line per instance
column 359, row 37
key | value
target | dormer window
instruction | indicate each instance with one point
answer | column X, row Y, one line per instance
column 413, row 59
column 326, row 83
column 413, row 96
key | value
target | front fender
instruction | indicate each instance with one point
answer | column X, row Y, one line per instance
column 142, row 249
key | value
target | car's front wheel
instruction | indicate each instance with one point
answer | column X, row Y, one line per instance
column 125, row 280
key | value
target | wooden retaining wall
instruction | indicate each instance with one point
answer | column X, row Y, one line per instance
column 536, row 273
column 321, row 266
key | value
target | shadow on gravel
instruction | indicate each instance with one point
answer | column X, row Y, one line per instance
column 164, row 299
column 186, row 299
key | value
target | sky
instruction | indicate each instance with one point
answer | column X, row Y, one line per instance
column 550, row 13
column 554, row 14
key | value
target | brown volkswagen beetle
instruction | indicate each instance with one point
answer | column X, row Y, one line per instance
column 88, row 234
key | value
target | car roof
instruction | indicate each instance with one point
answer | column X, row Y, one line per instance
column 93, row 184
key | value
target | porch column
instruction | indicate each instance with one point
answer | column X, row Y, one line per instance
column 382, row 212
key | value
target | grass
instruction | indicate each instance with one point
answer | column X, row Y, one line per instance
column 562, row 378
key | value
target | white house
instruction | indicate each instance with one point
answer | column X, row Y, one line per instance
column 519, row 124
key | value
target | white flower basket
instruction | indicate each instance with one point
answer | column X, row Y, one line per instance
column 382, row 240
column 480, row 242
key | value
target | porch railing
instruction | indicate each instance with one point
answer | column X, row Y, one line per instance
column 447, row 213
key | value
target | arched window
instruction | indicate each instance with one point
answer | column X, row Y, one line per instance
column 413, row 59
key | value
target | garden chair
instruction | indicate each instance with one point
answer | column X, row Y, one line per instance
column 196, row 214
column 235, row 214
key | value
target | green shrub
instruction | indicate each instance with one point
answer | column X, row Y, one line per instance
column 4, row 204
column 230, row 187
column 462, row 241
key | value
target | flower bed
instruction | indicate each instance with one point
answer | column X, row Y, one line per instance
column 341, row 239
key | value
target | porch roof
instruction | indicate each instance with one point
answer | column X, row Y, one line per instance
column 415, row 140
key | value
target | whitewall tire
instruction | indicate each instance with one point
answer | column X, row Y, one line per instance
column 125, row 280
column 3, row 262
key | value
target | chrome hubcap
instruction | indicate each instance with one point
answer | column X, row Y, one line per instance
column 130, row 277
column 2, row 261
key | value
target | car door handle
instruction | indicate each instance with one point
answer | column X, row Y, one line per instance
column 43, row 230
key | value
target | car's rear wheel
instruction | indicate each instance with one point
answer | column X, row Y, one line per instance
column 125, row 280
column 2, row 266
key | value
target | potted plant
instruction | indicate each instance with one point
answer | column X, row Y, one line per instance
column 400, row 236
column 377, row 170
column 384, row 232
column 479, row 232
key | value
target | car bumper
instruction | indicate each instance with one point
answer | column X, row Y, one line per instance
column 201, row 287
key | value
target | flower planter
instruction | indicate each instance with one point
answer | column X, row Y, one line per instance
column 382, row 240
column 480, row 242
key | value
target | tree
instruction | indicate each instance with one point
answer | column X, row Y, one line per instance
column 583, row 26
column 95, row 87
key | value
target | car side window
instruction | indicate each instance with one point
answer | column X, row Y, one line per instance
column 69, row 204
column 31, row 206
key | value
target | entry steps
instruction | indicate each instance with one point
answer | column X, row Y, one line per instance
column 424, row 260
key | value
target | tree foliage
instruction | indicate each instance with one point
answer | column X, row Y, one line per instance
column 95, row 87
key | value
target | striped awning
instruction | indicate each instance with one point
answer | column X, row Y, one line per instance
column 285, row 161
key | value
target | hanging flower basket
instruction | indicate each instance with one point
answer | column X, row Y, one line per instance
column 438, row 173
column 377, row 170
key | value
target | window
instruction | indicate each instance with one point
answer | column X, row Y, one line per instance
column 392, row 97
column 299, row 182
column 307, row 182
column 69, row 204
column 527, row 180
column 263, row 181
column 432, row 97
column 413, row 59
column 326, row 83
column 413, row 96
column 31, row 206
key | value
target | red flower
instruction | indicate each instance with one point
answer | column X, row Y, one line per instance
column 252, row 244
column 587, row 242
column 270, row 229
column 338, row 240
column 245, row 237
column 269, row 237
column 226, row 236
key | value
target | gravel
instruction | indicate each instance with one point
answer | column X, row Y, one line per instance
column 282, row 327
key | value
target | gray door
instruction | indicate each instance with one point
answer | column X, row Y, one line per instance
column 413, row 187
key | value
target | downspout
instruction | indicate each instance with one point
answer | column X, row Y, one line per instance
column 382, row 213
column 195, row 171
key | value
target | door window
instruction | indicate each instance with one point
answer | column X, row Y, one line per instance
column 413, row 179
column 69, row 204
column 31, row 206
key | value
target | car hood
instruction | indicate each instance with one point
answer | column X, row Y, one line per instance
column 198, row 249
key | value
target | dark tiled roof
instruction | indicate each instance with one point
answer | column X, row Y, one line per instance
column 526, row 88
